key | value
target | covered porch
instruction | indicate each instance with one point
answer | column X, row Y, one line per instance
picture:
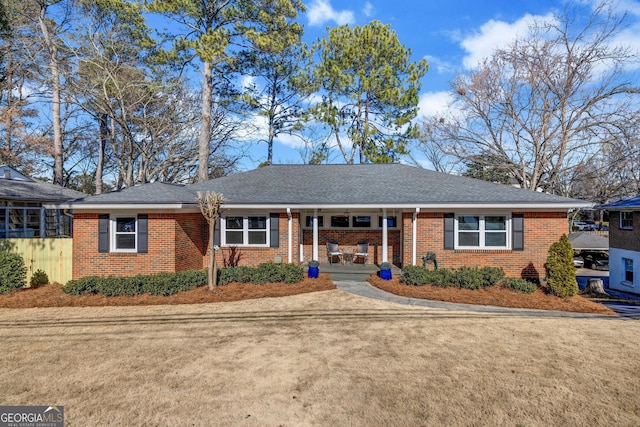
column 380, row 228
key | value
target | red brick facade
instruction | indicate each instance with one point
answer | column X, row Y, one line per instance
column 179, row 241
column 541, row 230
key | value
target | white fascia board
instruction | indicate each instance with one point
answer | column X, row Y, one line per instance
column 146, row 207
column 412, row 207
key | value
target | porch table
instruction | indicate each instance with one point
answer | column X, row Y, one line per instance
column 347, row 254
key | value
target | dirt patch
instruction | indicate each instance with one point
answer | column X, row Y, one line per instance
column 495, row 295
column 52, row 296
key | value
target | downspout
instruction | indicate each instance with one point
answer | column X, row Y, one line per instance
column 414, row 243
column 289, row 236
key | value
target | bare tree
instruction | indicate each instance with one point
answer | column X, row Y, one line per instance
column 546, row 102
column 211, row 208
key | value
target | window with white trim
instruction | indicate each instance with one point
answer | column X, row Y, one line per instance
column 482, row 231
column 628, row 269
column 246, row 230
column 626, row 220
column 124, row 235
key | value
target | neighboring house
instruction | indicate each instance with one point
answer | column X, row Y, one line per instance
column 289, row 212
column 21, row 207
column 624, row 244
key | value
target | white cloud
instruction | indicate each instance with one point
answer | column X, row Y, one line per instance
column 320, row 12
column 433, row 103
column 368, row 10
column 493, row 35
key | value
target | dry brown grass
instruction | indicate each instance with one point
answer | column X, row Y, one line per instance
column 323, row 359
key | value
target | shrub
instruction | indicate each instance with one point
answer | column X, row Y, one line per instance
column 418, row 276
column 561, row 273
column 464, row 277
column 239, row 274
column 264, row 273
column 38, row 278
column 13, row 273
column 385, row 266
column 520, row 285
column 314, row 263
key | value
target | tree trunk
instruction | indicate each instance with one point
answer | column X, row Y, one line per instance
column 595, row 286
column 205, row 126
column 102, row 143
column 55, row 89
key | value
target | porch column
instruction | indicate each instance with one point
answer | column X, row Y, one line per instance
column 315, row 234
column 289, row 235
column 385, row 240
column 414, row 236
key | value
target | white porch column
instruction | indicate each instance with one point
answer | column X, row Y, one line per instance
column 315, row 234
column 414, row 236
column 385, row 240
column 289, row 235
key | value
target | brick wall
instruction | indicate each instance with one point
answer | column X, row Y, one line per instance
column 87, row 261
column 628, row 239
column 251, row 256
column 541, row 230
column 191, row 238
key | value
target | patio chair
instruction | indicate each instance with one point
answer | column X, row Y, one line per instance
column 333, row 251
column 362, row 251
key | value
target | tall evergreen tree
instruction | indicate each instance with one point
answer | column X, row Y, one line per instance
column 370, row 91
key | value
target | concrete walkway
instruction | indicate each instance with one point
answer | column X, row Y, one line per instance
column 364, row 289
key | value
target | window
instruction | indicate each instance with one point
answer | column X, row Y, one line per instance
column 340, row 221
column 626, row 220
column 309, row 221
column 19, row 219
column 124, row 236
column 361, row 222
column 245, row 230
column 482, row 231
column 628, row 269
column 391, row 222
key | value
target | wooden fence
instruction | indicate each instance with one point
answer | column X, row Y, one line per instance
column 51, row 255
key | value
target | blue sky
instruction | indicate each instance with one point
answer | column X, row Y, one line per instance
column 452, row 35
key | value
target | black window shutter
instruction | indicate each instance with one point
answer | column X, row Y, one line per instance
column 216, row 232
column 274, row 229
column 103, row 233
column 449, row 231
column 143, row 234
column 517, row 226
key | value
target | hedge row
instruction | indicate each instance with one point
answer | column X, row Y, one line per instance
column 464, row 278
column 171, row 283
column 264, row 273
column 154, row 284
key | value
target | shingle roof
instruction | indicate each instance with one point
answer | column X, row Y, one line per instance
column 366, row 184
column 35, row 191
column 631, row 203
column 152, row 193
column 588, row 241
column 339, row 185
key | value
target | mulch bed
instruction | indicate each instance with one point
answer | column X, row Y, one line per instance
column 52, row 296
column 495, row 295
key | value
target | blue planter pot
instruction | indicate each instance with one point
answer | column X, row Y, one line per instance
column 385, row 274
column 313, row 272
